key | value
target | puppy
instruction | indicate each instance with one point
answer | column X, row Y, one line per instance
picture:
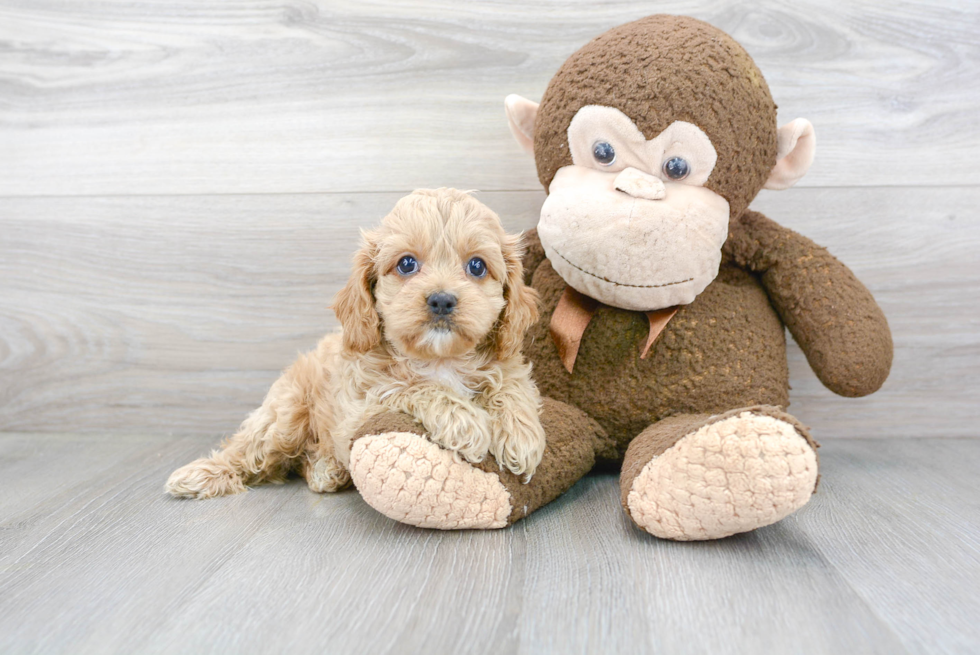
column 432, row 322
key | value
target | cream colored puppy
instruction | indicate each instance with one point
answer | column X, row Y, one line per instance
column 432, row 319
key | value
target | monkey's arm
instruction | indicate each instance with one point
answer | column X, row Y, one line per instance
column 533, row 254
column 832, row 316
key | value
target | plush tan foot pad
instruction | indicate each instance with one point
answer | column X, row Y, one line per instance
column 732, row 476
column 410, row 479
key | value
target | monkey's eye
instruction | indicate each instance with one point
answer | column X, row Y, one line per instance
column 676, row 168
column 407, row 265
column 476, row 267
column 603, row 152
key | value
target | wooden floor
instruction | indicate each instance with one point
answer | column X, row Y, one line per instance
column 181, row 190
column 95, row 559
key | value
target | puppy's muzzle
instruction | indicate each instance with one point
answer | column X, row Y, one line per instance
column 441, row 303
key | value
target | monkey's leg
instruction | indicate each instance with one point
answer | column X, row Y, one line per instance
column 695, row 477
column 408, row 478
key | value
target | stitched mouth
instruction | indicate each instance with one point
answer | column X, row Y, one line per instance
column 621, row 284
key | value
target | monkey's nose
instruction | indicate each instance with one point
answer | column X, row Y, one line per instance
column 640, row 185
column 441, row 303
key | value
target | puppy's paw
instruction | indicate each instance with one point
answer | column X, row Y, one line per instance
column 518, row 441
column 326, row 474
column 205, row 478
column 460, row 426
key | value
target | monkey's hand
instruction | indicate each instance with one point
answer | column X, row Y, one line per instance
column 832, row 316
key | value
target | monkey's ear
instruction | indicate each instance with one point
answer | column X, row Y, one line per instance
column 520, row 117
column 796, row 145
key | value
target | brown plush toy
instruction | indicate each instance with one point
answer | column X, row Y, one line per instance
column 662, row 341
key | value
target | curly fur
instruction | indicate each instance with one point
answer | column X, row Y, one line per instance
column 463, row 376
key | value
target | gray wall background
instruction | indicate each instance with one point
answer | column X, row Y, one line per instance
column 182, row 183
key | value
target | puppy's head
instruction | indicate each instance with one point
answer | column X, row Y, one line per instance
column 438, row 279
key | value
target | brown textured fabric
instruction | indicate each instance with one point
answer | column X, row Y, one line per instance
column 832, row 316
column 661, row 69
column 572, row 315
column 533, row 253
column 726, row 349
column 573, row 442
column 385, row 422
column 660, row 436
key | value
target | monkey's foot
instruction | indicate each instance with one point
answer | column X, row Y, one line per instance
column 734, row 473
column 408, row 478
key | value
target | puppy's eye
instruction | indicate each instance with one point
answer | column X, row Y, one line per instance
column 407, row 265
column 476, row 267
column 676, row 168
column 603, row 152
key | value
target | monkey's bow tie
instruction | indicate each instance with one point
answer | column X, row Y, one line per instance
column 572, row 315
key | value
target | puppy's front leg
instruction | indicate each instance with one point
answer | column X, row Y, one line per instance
column 517, row 438
column 453, row 422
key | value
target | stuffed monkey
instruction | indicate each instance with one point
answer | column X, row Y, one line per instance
column 664, row 301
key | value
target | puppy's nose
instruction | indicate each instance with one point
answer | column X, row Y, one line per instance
column 441, row 303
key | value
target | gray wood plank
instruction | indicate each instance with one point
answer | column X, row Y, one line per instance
column 885, row 559
column 35, row 468
column 350, row 582
column 115, row 553
column 175, row 314
column 900, row 521
column 126, row 569
column 256, row 97
column 766, row 592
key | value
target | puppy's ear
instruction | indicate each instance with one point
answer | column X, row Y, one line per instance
column 354, row 304
column 521, row 311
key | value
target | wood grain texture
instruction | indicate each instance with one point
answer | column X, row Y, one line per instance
column 181, row 188
column 884, row 559
column 910, row 516
column 259, row 97
column 175, row 314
